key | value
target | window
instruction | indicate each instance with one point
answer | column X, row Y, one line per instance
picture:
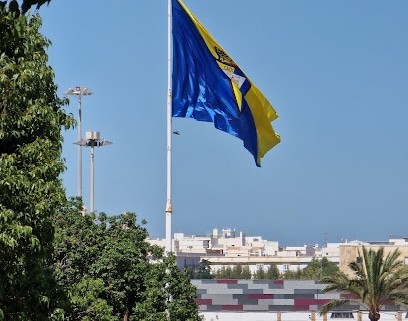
column 342, row 315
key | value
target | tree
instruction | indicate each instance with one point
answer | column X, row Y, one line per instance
column 16, row 8
column 259, row 274
column 316, row 269
column 246, row 273
column 273, row 272
column 376, row 280
column 105, row 256
column 112, row 273
column 31, row 118
column 238, row 272
column 169, row 295
column 292, row 275
column 181, row 292
column 224, row 273
column 203, row 271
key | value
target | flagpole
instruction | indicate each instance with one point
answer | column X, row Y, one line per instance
column 169, row 209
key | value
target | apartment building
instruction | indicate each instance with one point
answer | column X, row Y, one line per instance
column 226, row 248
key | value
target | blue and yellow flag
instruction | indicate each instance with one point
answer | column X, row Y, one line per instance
column 208, row 85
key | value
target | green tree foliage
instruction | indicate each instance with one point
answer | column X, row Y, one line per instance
column 112, row 273
column 317, row 269
column 292, row 275
column 312, row 272
column 259, row 274
column 239, row 272
column 18, row 7
column 203, row 271
column 169, row 295
column 377, row 280
column 245, row 273
column 273, row 272
column 31, row 118
column 224, row 273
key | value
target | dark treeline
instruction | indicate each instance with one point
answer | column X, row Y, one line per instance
column 315, row 270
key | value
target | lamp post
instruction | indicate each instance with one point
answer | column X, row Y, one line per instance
column 92, row 139
column 79, row 91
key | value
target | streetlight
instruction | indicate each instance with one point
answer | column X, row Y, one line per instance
column 92, row 139
column 79, row 91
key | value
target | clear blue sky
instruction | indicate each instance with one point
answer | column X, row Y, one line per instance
column 335, row 71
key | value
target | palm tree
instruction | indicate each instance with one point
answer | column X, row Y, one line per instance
column 376, row 280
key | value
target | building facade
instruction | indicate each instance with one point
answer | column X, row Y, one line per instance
column 228, row 248
column 280, row 300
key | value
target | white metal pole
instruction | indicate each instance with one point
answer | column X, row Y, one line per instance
column 92, row 175
column 79, row 146
column 79, row 91
column 169, row 209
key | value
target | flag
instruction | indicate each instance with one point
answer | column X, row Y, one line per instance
column 208, row 85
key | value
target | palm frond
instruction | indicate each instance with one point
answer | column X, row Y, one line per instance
column 377, row 279
column 337, row 282
column 400, row 298
column 330, row 306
